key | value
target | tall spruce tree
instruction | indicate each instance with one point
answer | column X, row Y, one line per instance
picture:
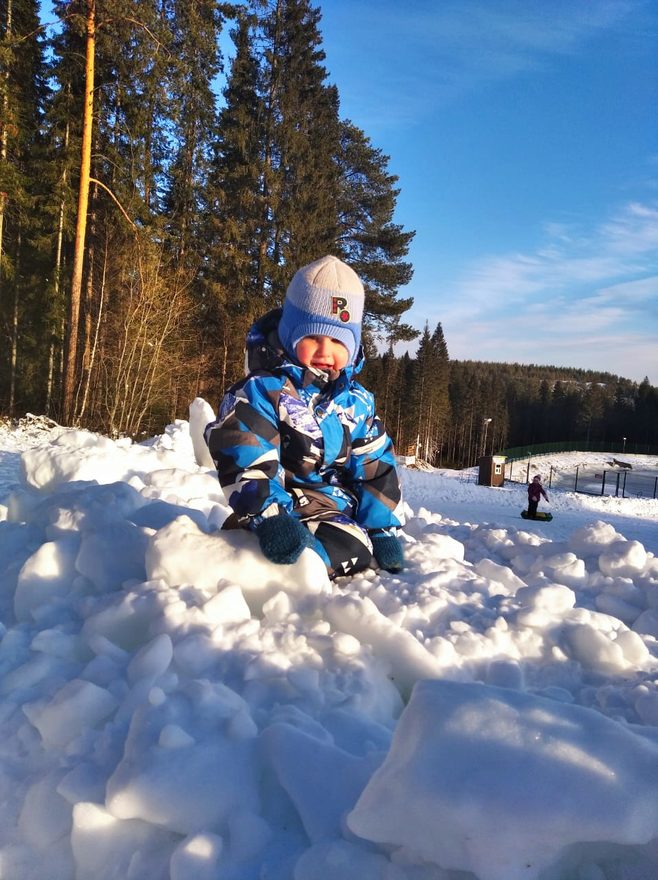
column 234, row 198
column 421, row 402
column 194, row 63
column 440, row 400
column 22, row 93
column 301, row 141
column 428, row 397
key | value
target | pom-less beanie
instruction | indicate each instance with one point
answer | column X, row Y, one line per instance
column 324, row 298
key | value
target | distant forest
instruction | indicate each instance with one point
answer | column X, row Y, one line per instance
column 450, row 412
column 147, row 219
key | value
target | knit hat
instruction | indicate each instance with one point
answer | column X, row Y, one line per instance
column 324, row 298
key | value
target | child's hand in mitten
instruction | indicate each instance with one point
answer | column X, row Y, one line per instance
column 282, row 538
column 387, row 550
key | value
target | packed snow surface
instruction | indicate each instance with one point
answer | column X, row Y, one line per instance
column 174, row 707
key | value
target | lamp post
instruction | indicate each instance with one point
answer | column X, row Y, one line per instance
column 485, row 422
column 623, row 448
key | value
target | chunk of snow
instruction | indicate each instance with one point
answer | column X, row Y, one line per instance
column 45, row 817
column 201, row 414
column 195, row 790
column 500, row 783
column 197, row 858
column 408, row 659
column 625, row 558
column 77, row 706
column 46, row 576
column 322, row 781
column 182, row 554
column 99, row 561
column 106, row 848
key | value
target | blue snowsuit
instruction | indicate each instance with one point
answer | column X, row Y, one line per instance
column 291, row 437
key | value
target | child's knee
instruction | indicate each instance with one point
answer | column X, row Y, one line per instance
column 346, row 544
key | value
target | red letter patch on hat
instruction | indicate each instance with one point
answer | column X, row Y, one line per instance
column 338, row 307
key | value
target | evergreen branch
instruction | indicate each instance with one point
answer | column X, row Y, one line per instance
column 140, row 24
column 114, row 198
column 15, row 40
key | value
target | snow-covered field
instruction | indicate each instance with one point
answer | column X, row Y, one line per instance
column 173, row 707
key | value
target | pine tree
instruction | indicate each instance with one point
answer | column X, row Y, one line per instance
column 369, row 240
column 440, row 394
column 301, row 141
column 646, row 414
column 114, row 188
column 420, row 400
column 230, row 272
column 195, row 62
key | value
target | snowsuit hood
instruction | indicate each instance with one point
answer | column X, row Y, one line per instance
column 264, row 351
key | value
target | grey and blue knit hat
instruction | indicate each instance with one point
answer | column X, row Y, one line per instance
column 324, row 298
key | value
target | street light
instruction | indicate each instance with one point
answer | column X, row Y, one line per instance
column 623, row 448
column 485, row 422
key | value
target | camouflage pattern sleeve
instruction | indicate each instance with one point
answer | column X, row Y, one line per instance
column 372, row 473
column 244, row 443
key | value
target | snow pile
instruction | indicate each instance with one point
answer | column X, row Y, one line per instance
column 561, row 773
column 175, row 707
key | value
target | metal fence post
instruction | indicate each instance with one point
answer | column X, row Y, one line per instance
column 603, row 483
column 575, row 485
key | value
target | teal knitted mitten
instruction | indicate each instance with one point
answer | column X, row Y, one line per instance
column 282, row 538
column 387, row 550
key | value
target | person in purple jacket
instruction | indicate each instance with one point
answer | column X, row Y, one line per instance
column 535, row 491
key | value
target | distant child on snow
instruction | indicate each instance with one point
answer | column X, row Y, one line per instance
column 301, row 455
column 535, row 491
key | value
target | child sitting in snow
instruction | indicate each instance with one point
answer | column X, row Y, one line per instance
column 301, row 455
column 535, row 491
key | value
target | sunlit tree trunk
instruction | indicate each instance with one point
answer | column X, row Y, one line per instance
column 94, row 346
column 14, row 333
column 71, row 361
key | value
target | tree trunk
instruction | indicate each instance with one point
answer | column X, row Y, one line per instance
column 56, row 289
column 71, row 364
column 86, row 323
column 14, row 332
column 99, row 318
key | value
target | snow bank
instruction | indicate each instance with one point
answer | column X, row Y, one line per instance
column 175, row 707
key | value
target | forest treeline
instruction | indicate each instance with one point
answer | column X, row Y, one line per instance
column 148, row 215
column 450, row 412
column 156, row 197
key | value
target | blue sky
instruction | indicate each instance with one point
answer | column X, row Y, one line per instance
column 525, row 138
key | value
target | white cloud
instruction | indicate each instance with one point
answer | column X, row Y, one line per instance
column 641, row 290
column 610, row 258
column 586, row 299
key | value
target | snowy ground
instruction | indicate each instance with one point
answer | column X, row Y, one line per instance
column 173, row 707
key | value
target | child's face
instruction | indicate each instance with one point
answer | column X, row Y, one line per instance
column 322, row 352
